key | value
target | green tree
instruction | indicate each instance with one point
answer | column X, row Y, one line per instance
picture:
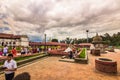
column 68, row 40
column 54, row 40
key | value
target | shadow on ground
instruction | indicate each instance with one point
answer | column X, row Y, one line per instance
column 23, row 76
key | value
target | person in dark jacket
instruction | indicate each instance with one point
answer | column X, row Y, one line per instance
column 70, row 54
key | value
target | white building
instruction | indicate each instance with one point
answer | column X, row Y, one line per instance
column 13, row 40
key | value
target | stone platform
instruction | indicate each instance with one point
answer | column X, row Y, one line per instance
column 67, row 60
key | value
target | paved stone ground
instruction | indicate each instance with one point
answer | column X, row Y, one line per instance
column 52, row 69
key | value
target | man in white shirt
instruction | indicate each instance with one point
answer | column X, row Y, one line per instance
column 5, row 50
column 9, row 67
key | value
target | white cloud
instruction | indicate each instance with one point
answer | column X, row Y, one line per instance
column 62, row 18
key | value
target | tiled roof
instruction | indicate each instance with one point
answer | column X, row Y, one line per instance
column 85, row 44
column 9, row 36
column 47, row 43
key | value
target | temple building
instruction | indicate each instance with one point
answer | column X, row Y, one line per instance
column 99, row 43
column 13, row 40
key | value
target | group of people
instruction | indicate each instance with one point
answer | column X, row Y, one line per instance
column 72, row 54
column 4, row 51
column 10, row 65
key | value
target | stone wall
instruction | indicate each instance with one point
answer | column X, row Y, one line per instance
column 106, row 66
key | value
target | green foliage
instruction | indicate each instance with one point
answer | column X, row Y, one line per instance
column 78, row 49
column 18, row 48
column 111, row 40
column 54, row 40
column 26, row 57
column 2, row 62
column 42, row 47
column 83, row 53
column 1, row 46
column 68, row 40
column 10, row 48
column 22, row 58
column 118, row 47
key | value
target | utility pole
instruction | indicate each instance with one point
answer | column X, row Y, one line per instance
column 45, row 43
column 87, row 36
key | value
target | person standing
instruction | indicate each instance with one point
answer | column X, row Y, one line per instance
column 1, row 53
column 14, row 51
column 5, row 50
column 26, row 50
column 9, row 67
column 38, row 50
column 22, row 51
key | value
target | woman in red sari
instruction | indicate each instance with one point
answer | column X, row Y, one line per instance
column 14, row 51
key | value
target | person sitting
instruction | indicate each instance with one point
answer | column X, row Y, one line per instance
column 70, row 54
column 75, row 54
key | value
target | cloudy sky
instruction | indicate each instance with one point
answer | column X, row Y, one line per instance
column 59, row 18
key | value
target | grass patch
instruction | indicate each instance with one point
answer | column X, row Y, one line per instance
column 1, row 63
column 17, row 59
column 83, row 53
column 25, row 57
column 118, row 47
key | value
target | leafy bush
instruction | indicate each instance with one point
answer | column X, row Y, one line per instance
column 18, row 48
column 118, row 47
column 1, row 47
column 26, row 57
column 22, row 58
column 42, row 47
